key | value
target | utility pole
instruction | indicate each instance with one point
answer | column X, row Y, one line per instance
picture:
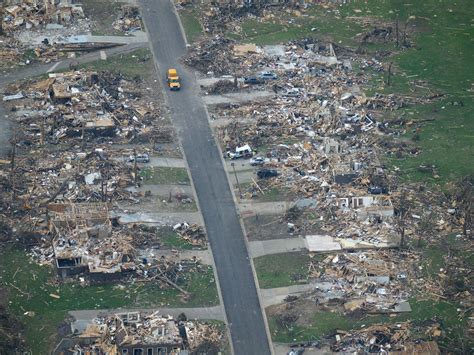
column 236, row 179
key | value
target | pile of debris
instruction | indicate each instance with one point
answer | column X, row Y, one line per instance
column 82, row 240
column 193, row 234
column 222, row 87
column 216, row 56
column 372, row 281
column 219, row 16
column 129, row 20
column 383, row 338
column 133, row 331
column 66, row 177
column 29, row 14
column 38, row 25
column 81, row 106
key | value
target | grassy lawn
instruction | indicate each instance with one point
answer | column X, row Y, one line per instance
column 441, row 58
column 191, row 24
column 103, row 13
column 281, row 270
column 30, row 285
column 272, row 194
column 164, row 175
column 137, row 63
column 173, row 240
column 324, row 323
column 447, row 143
column 316, row 22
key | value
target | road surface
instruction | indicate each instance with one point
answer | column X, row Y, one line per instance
column 239, row 293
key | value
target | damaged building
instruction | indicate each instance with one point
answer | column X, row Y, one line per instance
column 139, row 333
column 83, row 244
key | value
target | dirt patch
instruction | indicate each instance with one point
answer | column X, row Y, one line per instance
column 265, row 228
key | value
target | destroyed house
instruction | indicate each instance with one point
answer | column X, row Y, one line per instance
column 32, row 13
column 83, row 242
column 368, row 205
column 149, row 335
column 128, row 333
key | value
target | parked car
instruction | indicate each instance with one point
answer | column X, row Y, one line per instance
column 292, row 93
column 377, row 190
column 267, row 75
column 267, row 173
column 141, row 158
column 252, row 80
column 256, row 161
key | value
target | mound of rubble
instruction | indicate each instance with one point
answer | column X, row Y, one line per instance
column 38, row 25
column 129, row 20
column 128, row 333
column 83, row 106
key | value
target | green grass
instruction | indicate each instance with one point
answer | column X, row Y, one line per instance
column 319, row 23
column 281, row 270
column 447, row 143
column 173, row 240
column 191, row 24
column 324, row 323
column 272, row 194
column 138, row 63
column 36, row 283
column 164, row 175
column 442, row 58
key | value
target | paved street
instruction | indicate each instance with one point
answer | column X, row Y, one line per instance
column 224, row 230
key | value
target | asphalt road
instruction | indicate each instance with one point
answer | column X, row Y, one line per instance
column 225, row 234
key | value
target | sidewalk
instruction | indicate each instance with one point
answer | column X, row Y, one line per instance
column 276, row 246
column 204, row 256
column 249, row 208
column 271, row 296
column 157, row 218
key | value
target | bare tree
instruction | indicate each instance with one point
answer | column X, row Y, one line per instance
column 389, row 74
column 403, row 208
